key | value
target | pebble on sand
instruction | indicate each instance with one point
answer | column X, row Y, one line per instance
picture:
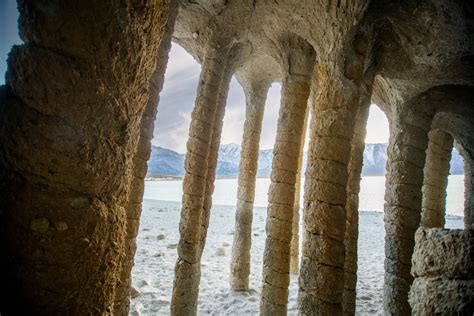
column 220, row 252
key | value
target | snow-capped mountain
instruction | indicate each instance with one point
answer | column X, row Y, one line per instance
column 166, row 162
column 228, row 160
column 375, row 159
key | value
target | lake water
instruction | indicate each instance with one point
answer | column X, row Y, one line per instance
column 371, row 197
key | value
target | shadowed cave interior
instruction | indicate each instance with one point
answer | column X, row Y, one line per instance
column 77, row 115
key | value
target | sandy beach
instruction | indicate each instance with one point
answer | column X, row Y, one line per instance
column 156, row 256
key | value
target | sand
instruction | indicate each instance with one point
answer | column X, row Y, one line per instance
column 156, row 256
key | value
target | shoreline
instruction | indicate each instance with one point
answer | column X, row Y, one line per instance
column 448, row 216
column 179, row 178
column 158, row 237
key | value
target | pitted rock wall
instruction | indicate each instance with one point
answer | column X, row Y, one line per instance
column 443, row 268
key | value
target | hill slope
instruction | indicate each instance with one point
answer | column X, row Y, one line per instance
column 166, row 162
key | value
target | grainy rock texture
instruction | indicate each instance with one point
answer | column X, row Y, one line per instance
column 341, row 66
column 69, row 126
column 352, row 204
column 455, row 116
column 187, row 270
column 299, row 63
column 469, row 193
column 143, row 151
column 443, row 267
column 240, row 264
column 468, row 186
column 436, row 173
column 74, row 141
column 403, row 198
column 200, row 165
column 213, row 151
column 295, row 225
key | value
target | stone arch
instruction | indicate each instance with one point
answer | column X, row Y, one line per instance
column 409, row 141
column 70, row 123
column 439, row 265
column 436, row 171
column 255, row 76
column 297, row 60
column 455, row 116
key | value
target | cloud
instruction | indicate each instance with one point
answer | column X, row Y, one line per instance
column 177, row 102
column 176, row 134
column 270, row 117
column 377, row 126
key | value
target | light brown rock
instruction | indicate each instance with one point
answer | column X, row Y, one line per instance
column 436, row 172
column 187, row 270
column 281, row 195
column 70, row 114
column 240, row 262
column 143, row 151
column 403, row 192
column 352, row 204
column 444, row 273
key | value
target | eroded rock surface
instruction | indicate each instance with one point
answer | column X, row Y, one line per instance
column 443, row 267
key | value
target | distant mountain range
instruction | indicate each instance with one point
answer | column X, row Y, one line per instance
column 168, row 163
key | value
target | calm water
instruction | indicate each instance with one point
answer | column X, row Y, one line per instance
column 371, row 197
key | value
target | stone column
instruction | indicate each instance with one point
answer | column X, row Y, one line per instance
column 352, row 203
column 340, row 75
column 140, row 166
column 436, row 171
column 281, row 195
column 69, row 127
column 214, row 152
column 443, row 268
column 403, row 201
column 295, row 226
column 256, row 94
column 468, row 193
column 187, row 270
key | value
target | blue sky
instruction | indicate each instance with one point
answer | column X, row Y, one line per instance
column 8, row 32
column 179, row 92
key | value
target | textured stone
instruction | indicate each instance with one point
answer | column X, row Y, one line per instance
column 444, row 272
column 352, row 203
column 70, row 124
column 436, row 172
column 295, row 230
column 403, row 196
column 326, row 188
column 442, row 296
column 444, row 252
column 281, row 195
column 94, row 162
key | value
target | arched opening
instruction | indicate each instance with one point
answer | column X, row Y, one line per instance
column 76, row 120
column 158, row 237
column 371, row 206
column 455, row 198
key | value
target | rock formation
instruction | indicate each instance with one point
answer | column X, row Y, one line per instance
column 443, row 267
column 240, row 263
column 295, row 225
column 142, row 155
column 352, row 203
column 70, row 125
column 193, row 219
column 436, row 173
column 299, row 63
column 76, row 118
